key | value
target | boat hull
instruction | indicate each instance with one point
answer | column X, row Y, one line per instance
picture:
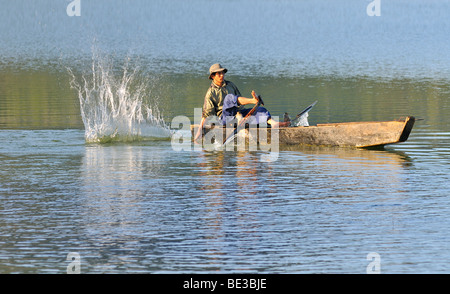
column 349, row 134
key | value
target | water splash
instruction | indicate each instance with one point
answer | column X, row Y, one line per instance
column 116, row 107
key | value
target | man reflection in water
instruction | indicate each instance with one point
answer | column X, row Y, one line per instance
column 224, row 100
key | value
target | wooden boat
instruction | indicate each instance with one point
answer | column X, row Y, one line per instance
column 347, row 134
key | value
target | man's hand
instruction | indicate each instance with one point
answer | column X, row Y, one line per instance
column 255, row 98
column 199, row 130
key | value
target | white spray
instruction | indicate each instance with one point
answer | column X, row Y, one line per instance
column 115, row 107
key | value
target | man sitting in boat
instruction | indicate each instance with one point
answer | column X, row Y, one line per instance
column 224, row 100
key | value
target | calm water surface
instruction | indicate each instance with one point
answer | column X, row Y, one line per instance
column 141, row 207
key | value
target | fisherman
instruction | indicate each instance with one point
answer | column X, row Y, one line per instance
column 224, row 100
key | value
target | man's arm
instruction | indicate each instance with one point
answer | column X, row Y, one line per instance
column 208, row 109
column 200, row 129
column 245, row 101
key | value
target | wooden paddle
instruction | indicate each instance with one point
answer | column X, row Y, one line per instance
column 242, row 122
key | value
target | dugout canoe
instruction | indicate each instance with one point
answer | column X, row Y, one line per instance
column 347, row 134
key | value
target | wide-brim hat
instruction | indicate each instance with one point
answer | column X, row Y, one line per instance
column 216, row 68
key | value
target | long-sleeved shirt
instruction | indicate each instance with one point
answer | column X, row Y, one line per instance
column 214, row 98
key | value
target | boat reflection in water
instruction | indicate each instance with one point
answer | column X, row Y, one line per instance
column 246, row 199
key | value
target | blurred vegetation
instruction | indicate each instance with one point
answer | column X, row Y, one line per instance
column 37, row 100
column 339, row 99
column 43, row 98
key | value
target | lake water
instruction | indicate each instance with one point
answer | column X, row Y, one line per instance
column 107, row 184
